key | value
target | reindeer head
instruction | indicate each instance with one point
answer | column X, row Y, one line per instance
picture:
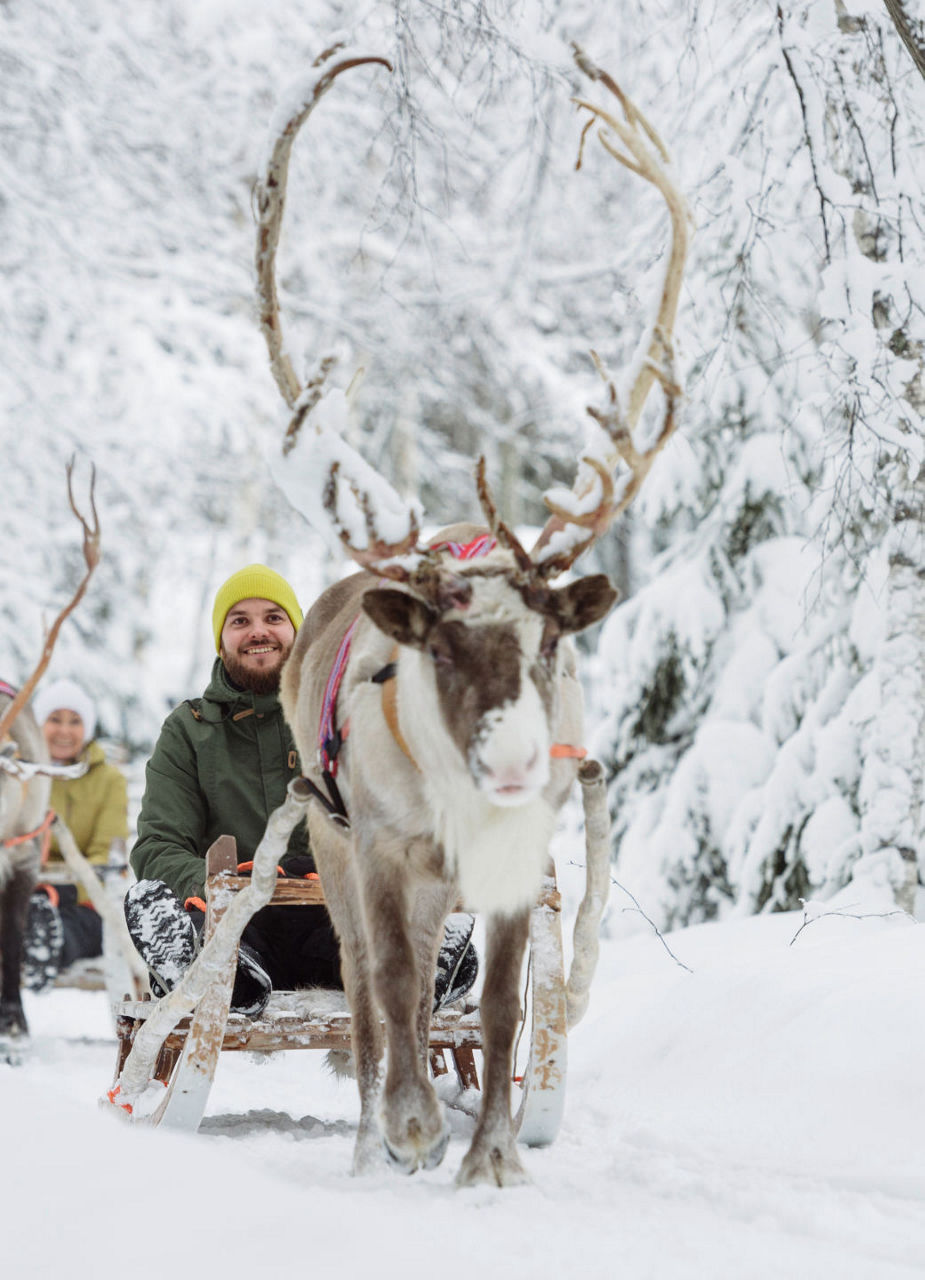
column 484, row 639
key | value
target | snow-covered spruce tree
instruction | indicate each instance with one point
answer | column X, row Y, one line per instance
column 864, row 120
column 741, row 737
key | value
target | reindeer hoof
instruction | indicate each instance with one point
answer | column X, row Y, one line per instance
column 494, row 1166
column 14, row 1033
column 414, row 1158
column 12, row 1019
column 435, row 1156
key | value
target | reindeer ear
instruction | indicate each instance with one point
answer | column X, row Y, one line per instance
column 400, row 616
column 584, row 602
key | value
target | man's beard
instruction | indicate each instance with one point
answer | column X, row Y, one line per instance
column 265, row 681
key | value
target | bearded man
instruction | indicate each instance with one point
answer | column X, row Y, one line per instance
column 221, row 765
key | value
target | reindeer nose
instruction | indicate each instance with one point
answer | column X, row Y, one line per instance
column 515, row 782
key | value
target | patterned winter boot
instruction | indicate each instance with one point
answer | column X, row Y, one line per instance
column 165, row 937
column 43, row 942
column 457, row 963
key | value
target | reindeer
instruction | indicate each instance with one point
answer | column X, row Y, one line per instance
column 446, row 675
column 25, row 784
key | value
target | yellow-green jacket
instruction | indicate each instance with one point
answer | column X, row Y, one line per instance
column 94, row 808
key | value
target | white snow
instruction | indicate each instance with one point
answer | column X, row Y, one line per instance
column 756, row 1117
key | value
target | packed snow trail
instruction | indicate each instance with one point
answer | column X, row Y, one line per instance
column 748, row 1119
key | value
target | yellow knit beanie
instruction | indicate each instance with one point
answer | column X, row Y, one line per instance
column 256, row 582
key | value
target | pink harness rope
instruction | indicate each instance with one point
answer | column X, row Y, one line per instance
column 329, row 737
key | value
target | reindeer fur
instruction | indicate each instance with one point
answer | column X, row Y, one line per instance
column 480, row 672
column 23, row 805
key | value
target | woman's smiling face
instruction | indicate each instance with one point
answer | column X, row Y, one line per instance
column 65, row 733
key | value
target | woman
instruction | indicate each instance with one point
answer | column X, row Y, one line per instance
column 62, row 925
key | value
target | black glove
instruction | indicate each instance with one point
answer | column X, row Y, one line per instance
column 302, row 866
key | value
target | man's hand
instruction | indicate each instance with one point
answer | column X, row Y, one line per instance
column 302, row 866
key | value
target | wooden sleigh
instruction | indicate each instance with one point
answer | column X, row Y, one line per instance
column 119, row 968
column 170, row 1048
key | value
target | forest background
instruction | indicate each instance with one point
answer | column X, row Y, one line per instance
column 758, row 699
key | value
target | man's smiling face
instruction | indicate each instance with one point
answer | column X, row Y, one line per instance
column 257, row 636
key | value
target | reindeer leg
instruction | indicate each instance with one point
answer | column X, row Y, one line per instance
column 414, row 1128
column 492, row 1156
column 333, row 849
column 430, row 912
column 367, row 1041
column 14, row 904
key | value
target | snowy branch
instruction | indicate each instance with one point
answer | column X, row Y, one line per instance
column 848, row 915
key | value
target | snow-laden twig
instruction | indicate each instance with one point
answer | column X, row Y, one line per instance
column 658, row 933
column 649, row 921
column 217, row 953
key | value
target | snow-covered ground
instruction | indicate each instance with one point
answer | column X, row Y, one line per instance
column 756, row 1114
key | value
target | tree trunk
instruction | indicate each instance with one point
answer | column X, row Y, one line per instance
column 894, row 768
column 911, row 31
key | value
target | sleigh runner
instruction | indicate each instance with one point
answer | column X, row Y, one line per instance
column 170, row 1048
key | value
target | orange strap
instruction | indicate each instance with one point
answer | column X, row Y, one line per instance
column 54, row 897
column 390, row 711
column 30, row 835
column 113, row 1093
column 194, row 902
column 249, row 866
column 564, row 751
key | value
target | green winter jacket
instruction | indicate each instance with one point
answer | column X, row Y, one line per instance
column 220, row 766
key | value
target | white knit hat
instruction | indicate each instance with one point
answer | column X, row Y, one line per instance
column 65, row 695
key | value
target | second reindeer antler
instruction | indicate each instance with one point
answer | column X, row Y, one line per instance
column 91, row 552
column 580, row 516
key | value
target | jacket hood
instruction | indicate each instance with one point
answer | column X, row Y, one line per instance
column 222, row 699
column 93, row 753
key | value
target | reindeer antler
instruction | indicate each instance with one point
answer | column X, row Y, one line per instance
column 271, row 205
column 91, row 552
column 377, row 552
column 502, row 532
column 579, row 516
column 341, row 462
column 564, row 538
